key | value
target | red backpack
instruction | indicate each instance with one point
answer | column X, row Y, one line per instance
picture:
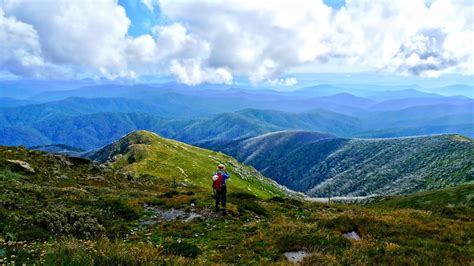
column 217, row 184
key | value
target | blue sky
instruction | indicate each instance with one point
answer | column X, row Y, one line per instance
column 142, row 18
column 222, row 41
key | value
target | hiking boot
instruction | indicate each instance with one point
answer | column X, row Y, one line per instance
column 216, row 209
column 224, row 212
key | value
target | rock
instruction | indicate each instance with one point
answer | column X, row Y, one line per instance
column 24, row 165
column 93, row 166
column 96, row 178
column 64, row 160
column 353, row 236
column 173, row 214
column 63, row 177
column 296, row 256
column 192, row 216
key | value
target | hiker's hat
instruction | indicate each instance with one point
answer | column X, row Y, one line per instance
column 221, row 166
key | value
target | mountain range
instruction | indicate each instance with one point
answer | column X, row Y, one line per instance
column 87, row 129
column 321, row 164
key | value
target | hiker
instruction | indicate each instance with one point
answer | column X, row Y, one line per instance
column 219, row 186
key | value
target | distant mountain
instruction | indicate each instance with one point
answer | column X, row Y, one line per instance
column 26, row 89
column 22, row 135
column 399, row 104
column 463, row 129
column 40, row 126
column 395, row 94
column 11, row 102
column 315, row 162
column 59, row 148
column 89, row 131
column 252, row 122
column 454, row 90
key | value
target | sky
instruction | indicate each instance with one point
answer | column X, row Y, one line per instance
column 221, row 41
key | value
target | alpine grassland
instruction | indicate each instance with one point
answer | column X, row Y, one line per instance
column 147, row 200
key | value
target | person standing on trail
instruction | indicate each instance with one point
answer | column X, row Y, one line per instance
column 219, row 186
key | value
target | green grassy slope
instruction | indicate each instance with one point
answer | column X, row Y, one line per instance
column 457, row 201
column 356, row 166
column 158, row 159
column 71, row 211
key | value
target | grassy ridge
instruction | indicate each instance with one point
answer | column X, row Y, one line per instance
column 154, row 157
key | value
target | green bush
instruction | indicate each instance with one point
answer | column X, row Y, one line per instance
column 341, row 224
column 251, row 206
column 121, row 208
column 241, row 195
column 170, row 194
column 73, row 222
column 277, row 199
column 182, row 249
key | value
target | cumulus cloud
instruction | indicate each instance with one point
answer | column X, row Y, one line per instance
column 213, row 41
column 263, row 40
column 20, row 52
column 86, row 34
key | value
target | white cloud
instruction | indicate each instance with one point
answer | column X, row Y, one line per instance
column 288, row 81
column 213, row 41
column 191, row 72
column 20, row 51
column 87, row 34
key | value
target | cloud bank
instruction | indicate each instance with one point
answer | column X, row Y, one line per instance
column 213, row 41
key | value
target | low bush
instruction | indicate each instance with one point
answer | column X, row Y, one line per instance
column 183, row 249
column 59, row 221
column 277, row 199
column 241, row 196
column 245, row 206
column 170, row 194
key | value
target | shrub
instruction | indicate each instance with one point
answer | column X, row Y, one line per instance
column 122, row 208
column 170, row 194
column 341, row 224
column 69, row 222
column 182, row 249
column 242, row 195
column 277, row 199
column 251, row 206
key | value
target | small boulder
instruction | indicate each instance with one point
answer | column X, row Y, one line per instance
column 352, row 236
column 296, row 256
column 24, row 165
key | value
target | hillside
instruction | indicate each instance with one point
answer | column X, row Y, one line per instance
column 57, row 209
column 456, row 202
column 356, row 167
column 157, row 159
